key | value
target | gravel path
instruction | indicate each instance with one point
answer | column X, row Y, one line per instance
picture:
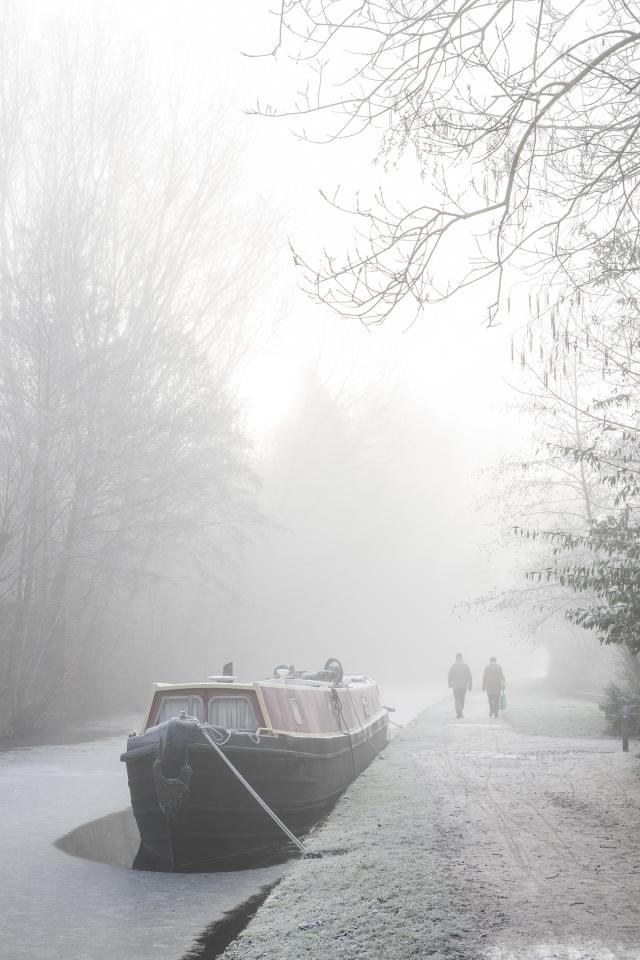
column 472, row 838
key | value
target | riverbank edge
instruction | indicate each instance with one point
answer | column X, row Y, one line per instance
column 60, row 733
column 325, row 905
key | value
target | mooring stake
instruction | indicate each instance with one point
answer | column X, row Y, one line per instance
column 625, row 726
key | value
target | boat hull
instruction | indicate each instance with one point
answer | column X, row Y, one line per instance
column 193, row 813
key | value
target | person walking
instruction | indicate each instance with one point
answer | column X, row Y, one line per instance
column 493, row 682
column 460, row 682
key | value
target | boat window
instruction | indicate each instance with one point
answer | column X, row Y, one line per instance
column 233, row 713
column 295, row 710
column 174, row 706
column 365, row 706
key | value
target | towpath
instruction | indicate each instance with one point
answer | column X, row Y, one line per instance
column 472, row 839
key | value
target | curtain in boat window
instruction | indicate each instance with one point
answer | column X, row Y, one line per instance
column 174, row 706
column 234, row 713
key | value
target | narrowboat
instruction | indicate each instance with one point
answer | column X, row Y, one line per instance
column 225, row 771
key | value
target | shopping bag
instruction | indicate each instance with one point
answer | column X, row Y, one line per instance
column 503, row 701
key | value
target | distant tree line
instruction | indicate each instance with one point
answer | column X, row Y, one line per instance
column 125, row 475
column 355, row 561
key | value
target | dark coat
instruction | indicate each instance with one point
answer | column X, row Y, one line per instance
column 460, row 676
column 493, row 679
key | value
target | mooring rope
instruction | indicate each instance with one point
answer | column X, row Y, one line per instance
column 341, row 719
column 267, row 809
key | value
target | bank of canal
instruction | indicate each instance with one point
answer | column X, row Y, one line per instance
column 472, row 839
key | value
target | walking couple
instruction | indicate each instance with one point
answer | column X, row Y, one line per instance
column 493, row 683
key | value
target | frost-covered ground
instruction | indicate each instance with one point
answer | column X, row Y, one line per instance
column 473, row 839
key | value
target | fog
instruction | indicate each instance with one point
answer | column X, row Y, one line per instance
column 318, row 343
column 381, row 527
column 242, row 475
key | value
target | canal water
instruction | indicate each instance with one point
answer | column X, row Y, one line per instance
column 66, row 843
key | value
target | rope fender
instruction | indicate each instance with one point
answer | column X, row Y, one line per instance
column 172, row 792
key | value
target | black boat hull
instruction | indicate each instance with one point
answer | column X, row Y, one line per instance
column 193, row 813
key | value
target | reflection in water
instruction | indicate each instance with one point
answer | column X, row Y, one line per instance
column 115, row 840
column 112, row 839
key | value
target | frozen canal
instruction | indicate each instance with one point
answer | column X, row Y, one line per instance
column 60, row 906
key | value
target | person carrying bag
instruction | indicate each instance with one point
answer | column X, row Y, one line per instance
column 494, row 682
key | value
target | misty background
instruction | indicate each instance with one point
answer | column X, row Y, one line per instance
column 198, row 463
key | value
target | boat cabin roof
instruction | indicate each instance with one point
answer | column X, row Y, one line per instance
column 212, row 683
column 274, row 698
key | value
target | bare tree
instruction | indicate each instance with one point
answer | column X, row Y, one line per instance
column 122, row 462
column 523, row 118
